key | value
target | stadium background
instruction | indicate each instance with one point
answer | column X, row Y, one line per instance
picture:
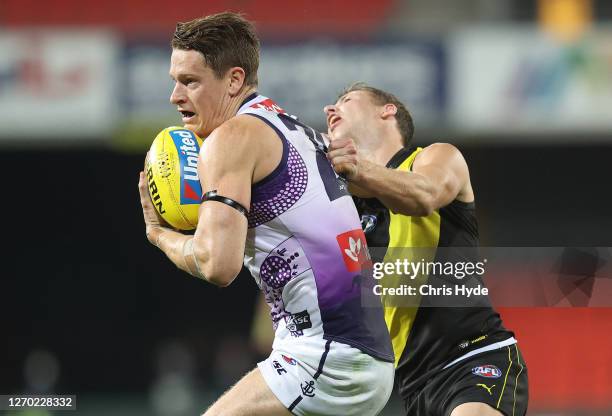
column 523, row 88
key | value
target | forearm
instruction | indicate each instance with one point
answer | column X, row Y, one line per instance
column 402, row 192
column 177, row 247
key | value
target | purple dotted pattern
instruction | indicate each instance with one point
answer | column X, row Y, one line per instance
column 275, row 271
column 281, row 192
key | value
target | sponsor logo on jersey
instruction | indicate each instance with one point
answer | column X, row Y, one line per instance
column 487, row 371
column 289, row 360
column 296, row 323
column 188, row 151
column 354, row 250
column 480, row 338
column 487, row 388
column 465, row 344
column 279, row 368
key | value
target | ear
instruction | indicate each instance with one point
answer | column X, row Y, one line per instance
column 388, row 110
column 235, row 77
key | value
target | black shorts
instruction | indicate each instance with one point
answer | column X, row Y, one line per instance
column 497, row 378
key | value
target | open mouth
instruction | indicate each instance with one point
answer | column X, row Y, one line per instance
column 187, row 114
column 333, row 121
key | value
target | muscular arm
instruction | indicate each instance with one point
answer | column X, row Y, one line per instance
column 229, row 162
column 439, row 175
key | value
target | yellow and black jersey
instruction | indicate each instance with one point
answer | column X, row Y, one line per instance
column 427, row 336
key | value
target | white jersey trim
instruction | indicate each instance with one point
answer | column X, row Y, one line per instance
column 495, row 346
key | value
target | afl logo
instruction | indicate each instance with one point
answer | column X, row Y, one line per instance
column 165, row 164
column 487, row 371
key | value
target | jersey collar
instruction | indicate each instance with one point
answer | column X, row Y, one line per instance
column 253, row 98
column 400, row 156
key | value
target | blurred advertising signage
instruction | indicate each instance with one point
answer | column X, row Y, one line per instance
column 57, row 84
column 147, row 84
column 524, row 81
column 304, row 77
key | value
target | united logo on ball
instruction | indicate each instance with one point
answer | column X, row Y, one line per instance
column 172, row 175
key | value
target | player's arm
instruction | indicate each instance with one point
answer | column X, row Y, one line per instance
column 216, row 250
column 439, row 175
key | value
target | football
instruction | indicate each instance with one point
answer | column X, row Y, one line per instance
column 172, row 175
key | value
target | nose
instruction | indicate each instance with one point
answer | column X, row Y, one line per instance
column 329, row 109
column 178, row 94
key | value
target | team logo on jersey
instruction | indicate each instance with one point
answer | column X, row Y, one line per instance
column 487, row 371
column 285, row 262
column 354, row 250
column 188, row 151
column 308, row 388
column 368, row 223
column 296, row 323
column 289, row 360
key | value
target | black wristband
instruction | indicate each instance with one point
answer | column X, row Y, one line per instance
column 214, row 196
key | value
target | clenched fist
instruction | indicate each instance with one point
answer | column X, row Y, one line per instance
column 344, row 157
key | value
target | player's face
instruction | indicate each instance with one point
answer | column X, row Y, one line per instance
column 199, row 95
column 352, row 116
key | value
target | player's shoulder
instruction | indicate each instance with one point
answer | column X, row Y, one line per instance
column 439, row 152
column 243, row 142
column 239, row 127
column 441, row 148
column 242, row 132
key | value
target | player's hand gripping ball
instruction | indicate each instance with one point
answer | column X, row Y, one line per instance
column 172, row 176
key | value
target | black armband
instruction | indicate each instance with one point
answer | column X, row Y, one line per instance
column 214, row 196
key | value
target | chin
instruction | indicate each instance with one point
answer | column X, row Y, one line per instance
column 339, row 133
column 194, row 128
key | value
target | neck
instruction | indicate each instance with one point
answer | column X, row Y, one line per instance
column 380, row 147
column 234, row 103
column 227, row 108
column 384, row 155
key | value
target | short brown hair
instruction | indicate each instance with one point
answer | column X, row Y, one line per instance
column 225, row 40
column 405, row 124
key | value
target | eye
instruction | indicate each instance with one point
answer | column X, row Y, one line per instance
column 187, row 81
